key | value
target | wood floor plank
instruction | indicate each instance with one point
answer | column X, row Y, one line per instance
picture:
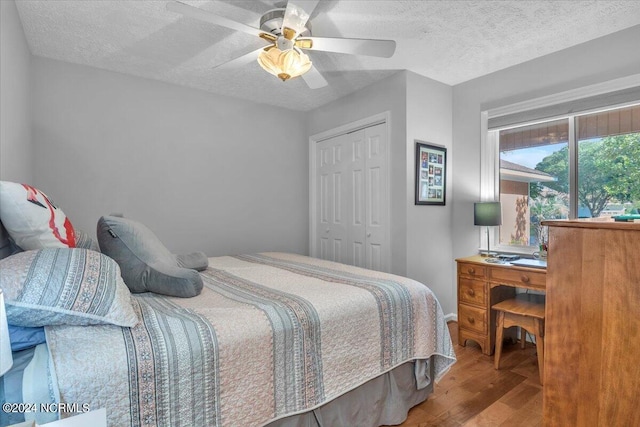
column 500, row 384
column 494, row 415
column 528, row 415
column 521, row 395
column 474, row 394
column 442, row 406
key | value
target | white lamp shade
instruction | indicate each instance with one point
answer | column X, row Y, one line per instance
column 5, row 345
column 284, row 64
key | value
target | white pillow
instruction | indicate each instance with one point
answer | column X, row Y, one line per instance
column 32, row 220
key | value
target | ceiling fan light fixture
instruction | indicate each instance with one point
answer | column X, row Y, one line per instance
column 285, row 64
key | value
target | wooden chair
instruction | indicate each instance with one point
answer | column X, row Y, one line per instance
column 527, row 312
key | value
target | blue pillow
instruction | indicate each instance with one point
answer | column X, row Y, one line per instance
column 23, row 337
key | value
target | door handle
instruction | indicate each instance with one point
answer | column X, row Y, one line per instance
column 368, row 234
column 327, row 230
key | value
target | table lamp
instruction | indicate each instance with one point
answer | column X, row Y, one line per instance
column 488, row 214
column 5, row 345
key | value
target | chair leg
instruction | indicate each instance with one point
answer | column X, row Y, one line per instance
column 540, row 348
column 523, row 337
column 499, row 338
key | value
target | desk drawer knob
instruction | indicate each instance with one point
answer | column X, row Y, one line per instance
column 471, row 270
column 471, row 292
column 471, row 320
column 525, row 278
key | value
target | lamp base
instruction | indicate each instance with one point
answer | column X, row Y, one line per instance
column 488, row 254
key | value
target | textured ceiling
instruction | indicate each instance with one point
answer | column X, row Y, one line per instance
column 448, row 41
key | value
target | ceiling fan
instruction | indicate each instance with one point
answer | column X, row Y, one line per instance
column 288, row 32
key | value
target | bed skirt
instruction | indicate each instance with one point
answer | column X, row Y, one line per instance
column 384, row 400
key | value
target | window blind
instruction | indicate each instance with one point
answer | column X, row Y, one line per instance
column 552, row 132
column 609, row 123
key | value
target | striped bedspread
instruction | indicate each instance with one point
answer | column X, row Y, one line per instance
column 271, row 335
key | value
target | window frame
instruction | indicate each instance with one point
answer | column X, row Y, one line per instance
column 490, row 151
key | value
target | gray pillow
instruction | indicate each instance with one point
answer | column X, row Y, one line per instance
column 195, row 261
column 146, row 264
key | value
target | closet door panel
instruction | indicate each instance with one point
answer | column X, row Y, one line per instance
column 376, row 194
column 357, row 199
column 352, row 198
column 332, row 200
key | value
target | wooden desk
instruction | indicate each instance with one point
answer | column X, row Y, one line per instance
column 482, row 284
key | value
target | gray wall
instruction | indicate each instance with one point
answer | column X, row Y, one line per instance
column 205, row 172
column 607, row 58
column 15, row 103
column 429, row 245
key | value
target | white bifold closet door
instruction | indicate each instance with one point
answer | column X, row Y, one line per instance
column 353, row 200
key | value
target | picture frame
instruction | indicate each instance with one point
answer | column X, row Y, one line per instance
column 431, row 174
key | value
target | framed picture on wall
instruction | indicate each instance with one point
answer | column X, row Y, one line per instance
column 431, row 174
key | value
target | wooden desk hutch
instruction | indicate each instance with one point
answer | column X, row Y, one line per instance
column 592, row 332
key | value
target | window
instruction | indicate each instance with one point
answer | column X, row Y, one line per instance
column 573, row 166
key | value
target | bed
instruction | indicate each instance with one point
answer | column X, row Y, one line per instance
column 273, row 339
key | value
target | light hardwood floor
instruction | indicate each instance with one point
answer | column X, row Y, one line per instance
column 473, row 393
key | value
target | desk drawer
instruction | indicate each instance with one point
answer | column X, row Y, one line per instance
column 519, row 277
column 472, row 318
column 472, row 291
column 473, row 270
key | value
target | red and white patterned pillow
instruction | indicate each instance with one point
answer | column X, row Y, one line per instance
column 32, row 219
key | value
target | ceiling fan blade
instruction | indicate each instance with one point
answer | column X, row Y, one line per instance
column 297, row 14
column 314, row 79
column 240, row 61
column 203, row 15
column 381, row 48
